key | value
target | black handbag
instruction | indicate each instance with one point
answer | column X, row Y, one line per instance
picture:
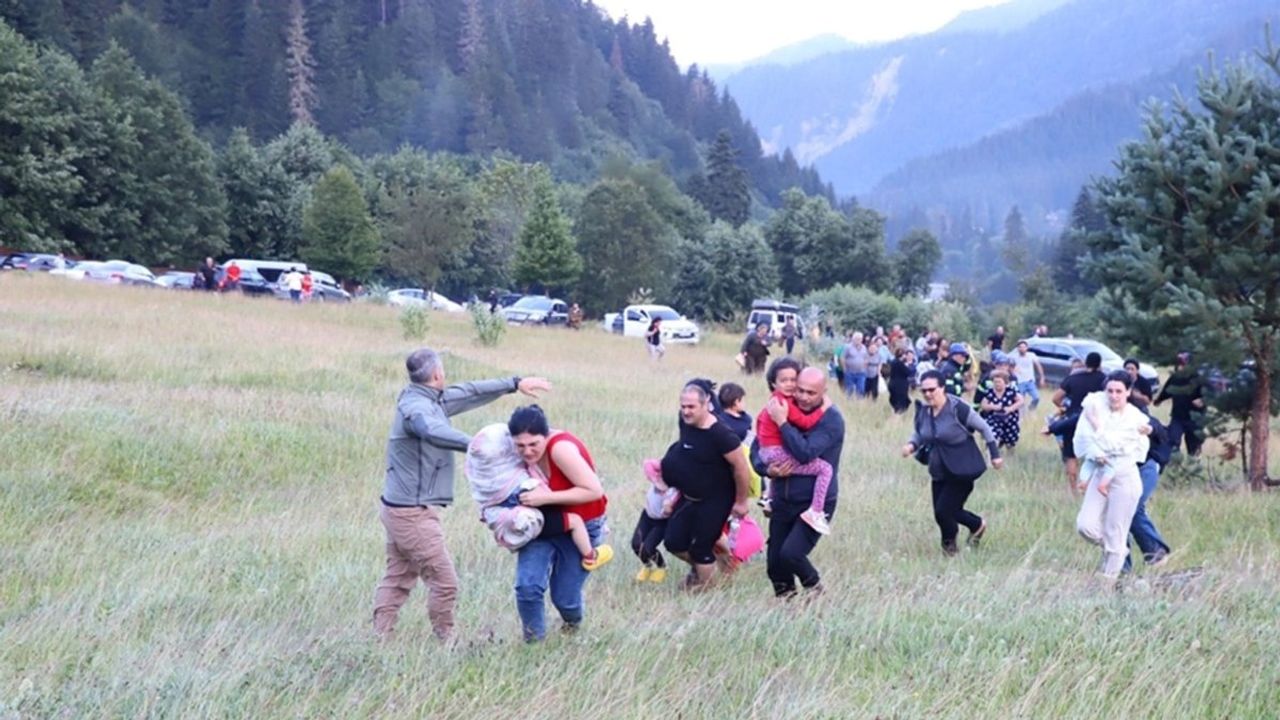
column 922, row 453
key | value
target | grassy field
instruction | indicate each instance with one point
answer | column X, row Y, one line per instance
column 188, row 529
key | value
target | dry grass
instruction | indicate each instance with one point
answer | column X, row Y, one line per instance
column 188, row 529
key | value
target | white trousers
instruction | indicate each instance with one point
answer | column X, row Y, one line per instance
column 1104, row 520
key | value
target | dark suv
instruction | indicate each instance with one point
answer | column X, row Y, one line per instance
column 1055, row 355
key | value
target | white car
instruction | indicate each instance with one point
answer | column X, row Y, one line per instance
column 422, row 298
column 634, row 321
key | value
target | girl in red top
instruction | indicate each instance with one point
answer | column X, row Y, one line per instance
column 772, row 449
column 307, row 286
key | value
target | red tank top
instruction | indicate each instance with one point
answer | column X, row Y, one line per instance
column 557, row 480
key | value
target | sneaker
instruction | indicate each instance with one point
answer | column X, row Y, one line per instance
column 766, row 506
column 816, row 520
column 604, row 553
column 1159, row 557
column 950, row 548
column 645, row 574
column 657, row 575
column 975, row 537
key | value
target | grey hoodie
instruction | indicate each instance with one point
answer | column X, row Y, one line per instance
column 422, row 442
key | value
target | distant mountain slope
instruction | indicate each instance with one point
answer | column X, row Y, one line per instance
column 787, row 55
column 1001, row 18
column 861, row 114
column 1041, row 164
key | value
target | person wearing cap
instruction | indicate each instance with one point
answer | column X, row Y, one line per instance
column 954, row 369
column 1185, row 388
column 419, row 482
column 1068, row 398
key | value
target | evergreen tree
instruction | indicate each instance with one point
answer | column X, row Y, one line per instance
column 728, row 192
column 722, row 274
column 1073, row 245
column 546, row 254
column 625, row 246
column 258, row 196
column 915, row 263
column 340, row 236
column 431, row 225
column 1015, row 247
column 1191, row 257
column 300, row 67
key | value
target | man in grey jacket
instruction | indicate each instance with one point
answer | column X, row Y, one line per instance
column 419, row 482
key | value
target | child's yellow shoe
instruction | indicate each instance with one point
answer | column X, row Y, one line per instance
column 604, row 553
column 657, row 575
column 643, row 575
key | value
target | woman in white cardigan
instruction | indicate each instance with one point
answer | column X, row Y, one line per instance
column 1111, row 440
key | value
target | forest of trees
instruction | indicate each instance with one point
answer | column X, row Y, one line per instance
column 103, row 158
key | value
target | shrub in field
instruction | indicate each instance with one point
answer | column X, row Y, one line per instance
column 376, row 293
column 489, row 325
column 414, row 321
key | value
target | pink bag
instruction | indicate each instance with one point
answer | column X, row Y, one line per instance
column 745, row 540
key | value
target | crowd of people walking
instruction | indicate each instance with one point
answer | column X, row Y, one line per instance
column 540, row 495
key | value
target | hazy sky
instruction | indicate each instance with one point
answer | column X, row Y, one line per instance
column 726, row 31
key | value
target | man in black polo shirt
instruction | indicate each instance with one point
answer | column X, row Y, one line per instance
column 1068, row 398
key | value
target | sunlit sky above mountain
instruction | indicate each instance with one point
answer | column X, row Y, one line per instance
column 729, row 31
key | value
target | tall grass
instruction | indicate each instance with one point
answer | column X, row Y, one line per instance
column 188, row 528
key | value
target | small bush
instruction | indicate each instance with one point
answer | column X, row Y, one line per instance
column 414, row 321
column 489, row 325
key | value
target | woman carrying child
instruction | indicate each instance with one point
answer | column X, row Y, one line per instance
column 1111, row 439
column 555, row 563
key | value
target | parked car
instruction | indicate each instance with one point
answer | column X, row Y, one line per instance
column 537, row 310
column 774, row 314
column 634, row 321
column 325, row 289
column 16, row 261
column 117, row 272
column 259, row 277
column 53, row 264
column 422, row 298
column 1055, row 355
column 177, row 280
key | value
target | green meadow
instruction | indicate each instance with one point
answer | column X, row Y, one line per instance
column 188, row 529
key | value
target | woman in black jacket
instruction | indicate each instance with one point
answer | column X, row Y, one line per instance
column 902, row 370
column 944, row 425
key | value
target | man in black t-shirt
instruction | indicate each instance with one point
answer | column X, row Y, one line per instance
column 1069, row 396
column 996, row 341
column 708, row 468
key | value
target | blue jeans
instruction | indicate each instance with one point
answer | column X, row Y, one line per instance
column 854, row 383
column 1031, row 390
column 553, row 563
column 1143, row 530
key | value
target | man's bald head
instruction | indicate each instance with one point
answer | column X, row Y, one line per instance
column 811, row 388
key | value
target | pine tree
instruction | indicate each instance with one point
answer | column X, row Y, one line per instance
column 1073, row 245
column 300, row 67
column 340, row 236
column 546, row 254
column 728, row 193
column 1191, row 257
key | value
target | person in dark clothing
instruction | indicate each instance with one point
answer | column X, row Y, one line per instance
column 1141, row 393
column 708, row 468
column 954, row 368
column 901, row 372
column 208, row 275
column 1185, row 388
column 1155, row 551
column 944, row 424
column 996, row 341
column 732, row 410
column 755, row 349
column 791, row 539
column 1068, row 399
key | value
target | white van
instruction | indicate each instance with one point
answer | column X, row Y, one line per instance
column 774, row 314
